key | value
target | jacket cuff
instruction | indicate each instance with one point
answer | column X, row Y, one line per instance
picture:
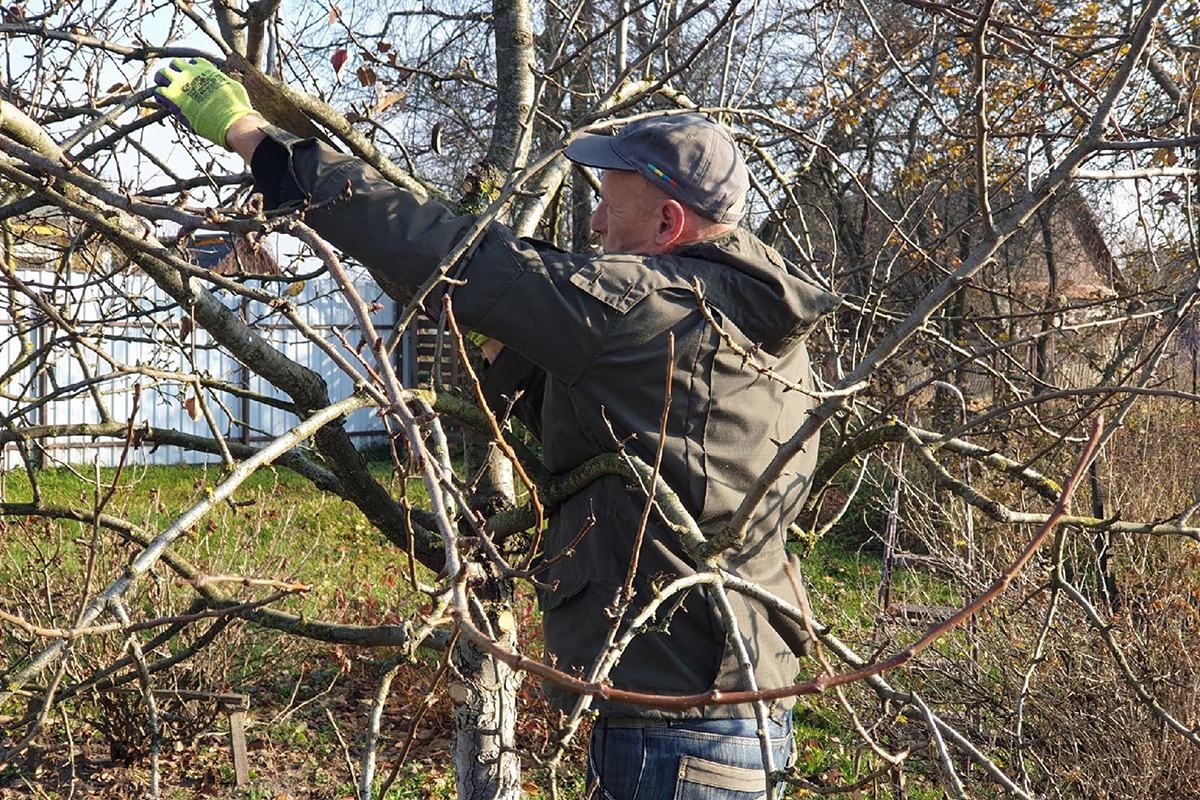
column 271, row 167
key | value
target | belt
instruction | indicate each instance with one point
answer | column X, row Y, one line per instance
column 652, row 722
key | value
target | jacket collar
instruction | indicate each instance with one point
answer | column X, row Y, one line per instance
column 761, row 293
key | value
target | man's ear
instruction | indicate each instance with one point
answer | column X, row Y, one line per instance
column 671, row 222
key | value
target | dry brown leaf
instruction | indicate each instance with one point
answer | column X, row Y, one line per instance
column 390, row 99
column 338, row 60
column 435, row 138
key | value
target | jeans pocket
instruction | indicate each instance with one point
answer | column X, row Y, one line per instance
column 700, row 779
column 616, row 761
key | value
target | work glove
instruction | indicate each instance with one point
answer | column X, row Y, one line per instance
column 202, row 97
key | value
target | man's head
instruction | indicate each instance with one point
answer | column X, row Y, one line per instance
column 667, row 181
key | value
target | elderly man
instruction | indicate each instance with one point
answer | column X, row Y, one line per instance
column 590, row 340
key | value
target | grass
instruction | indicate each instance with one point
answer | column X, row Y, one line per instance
column 843, row 572
column 276, row 525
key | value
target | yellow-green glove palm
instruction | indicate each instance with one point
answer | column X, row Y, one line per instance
column 202, row 97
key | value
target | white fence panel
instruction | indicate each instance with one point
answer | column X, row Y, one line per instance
column 149, row 339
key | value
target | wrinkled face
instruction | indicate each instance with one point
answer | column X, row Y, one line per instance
column 629, row 214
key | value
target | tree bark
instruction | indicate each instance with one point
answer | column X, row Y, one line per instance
column 510, row 142
column 485, row 760
column 485, row 712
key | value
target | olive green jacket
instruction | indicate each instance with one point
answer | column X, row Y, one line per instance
column 587, row 340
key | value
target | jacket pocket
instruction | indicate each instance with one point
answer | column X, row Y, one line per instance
column 791, row 630
column 567, row 574
column 699, row 779
column 618, row 281
column 568, row 588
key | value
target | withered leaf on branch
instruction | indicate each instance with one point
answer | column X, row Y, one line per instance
column 338, row 60
column 387, row 101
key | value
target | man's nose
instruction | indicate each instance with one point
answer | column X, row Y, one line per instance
column 600, row 219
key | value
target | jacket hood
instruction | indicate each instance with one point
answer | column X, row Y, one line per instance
column 760, row 292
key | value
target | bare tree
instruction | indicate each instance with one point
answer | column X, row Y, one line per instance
column 1002, row 195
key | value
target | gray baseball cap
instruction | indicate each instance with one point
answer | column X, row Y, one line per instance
column 688, row 156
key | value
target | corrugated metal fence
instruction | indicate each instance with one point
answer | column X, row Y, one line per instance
column 134, row 323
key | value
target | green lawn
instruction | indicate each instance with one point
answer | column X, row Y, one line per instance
column 276, row 526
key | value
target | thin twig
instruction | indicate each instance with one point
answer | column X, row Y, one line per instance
column 345, row 748
column 953, row 785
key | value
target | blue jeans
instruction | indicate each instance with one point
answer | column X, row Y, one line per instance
column 713, row 759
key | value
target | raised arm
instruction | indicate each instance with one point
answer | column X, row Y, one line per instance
column 515, row 292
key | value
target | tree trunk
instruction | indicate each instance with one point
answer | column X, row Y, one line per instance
column 485, row 696
column 485, row 712
column 1043, row 369
column 485, row 693
column 1106, row 582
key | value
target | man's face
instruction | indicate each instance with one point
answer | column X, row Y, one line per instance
column 629, row 216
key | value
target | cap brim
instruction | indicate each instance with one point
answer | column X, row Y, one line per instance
column 593, row 150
